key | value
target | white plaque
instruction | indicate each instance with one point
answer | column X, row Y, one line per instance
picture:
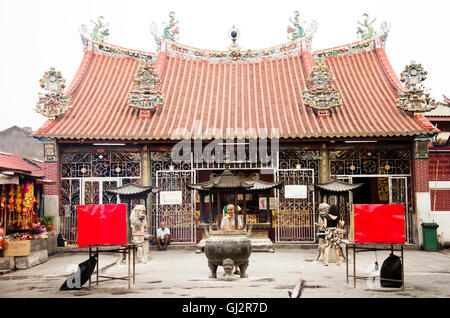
column 295, row 191
column 170, row 197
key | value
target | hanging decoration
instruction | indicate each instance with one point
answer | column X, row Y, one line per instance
column 146, row 95
column 367, row 31
column 52, row 102
column 28, row 198
column 18, row 201
column 171, row 30
column 383, row 189
column 320, row 93
column 3, row 197
column 295, row 31
column 414, row 97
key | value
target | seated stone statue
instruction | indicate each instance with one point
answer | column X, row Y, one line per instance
column 138, row 222
column 138, row 219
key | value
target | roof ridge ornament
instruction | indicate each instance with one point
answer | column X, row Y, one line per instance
column 52, row 102
column 146, row 95
column 171, row 30
column 100, row 31
column 368, row 30
column 297, row 30
column 320, row 93
column 413, row 96
column 234, row 51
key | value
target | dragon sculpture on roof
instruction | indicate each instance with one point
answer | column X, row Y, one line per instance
column 296, row 31
column 171, row 30
column 369, row 31
column 100, row 31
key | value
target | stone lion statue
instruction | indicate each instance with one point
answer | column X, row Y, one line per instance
column 323, row 211
column 138, row 219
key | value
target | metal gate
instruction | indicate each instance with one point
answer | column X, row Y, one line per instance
column 179, row 217
column 398, row 194
column 294, row 218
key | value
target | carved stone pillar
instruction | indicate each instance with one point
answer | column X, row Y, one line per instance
column 146, row 181
column 324, row 166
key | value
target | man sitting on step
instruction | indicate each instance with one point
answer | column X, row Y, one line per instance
column 163, row 235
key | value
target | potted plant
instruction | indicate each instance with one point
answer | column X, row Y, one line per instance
column 47, row 221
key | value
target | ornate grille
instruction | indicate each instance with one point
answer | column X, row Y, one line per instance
column 86, row 175
column 300, row 159
column 367, row 162
column 100, row 165
column 179, row 218
column 400, row 193
column 294, row 218
column 162, row 177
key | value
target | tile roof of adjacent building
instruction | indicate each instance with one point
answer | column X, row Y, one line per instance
column 12, row 162
column 252, row 99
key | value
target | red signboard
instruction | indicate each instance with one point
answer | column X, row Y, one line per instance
column 102, row 224
column 379, row 223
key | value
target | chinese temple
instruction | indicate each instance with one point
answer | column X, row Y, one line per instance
column 338, row 113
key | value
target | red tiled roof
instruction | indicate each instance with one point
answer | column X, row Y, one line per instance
column 261, row 95
column 13, row 162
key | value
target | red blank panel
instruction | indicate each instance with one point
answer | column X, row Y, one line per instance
column 102, row 224
column 379, row 223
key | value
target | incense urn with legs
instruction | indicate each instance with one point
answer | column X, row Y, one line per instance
column 228, row 249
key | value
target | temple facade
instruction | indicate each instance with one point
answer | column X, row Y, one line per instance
column 182, row 115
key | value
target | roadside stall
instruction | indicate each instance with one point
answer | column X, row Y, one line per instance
column 24, row 239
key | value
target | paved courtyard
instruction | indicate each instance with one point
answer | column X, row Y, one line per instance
column 184, row 274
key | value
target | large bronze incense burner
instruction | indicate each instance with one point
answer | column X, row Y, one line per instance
column 232, row 247
column 228, row 249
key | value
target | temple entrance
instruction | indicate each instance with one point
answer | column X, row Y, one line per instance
column 294, row 217
column 175, row 204
column 383, row 190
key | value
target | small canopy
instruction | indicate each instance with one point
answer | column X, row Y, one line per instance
column 263, row 185
column 337, row 186
column 226, row 181
column 133, row 190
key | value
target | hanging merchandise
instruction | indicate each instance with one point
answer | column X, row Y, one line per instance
column 3, row 200
column 27, row 204
column 3, row 196
column 11, row 198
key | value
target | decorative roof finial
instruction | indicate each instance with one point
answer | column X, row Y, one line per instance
column 100, row 32
column 234, row 50
column 369, row 31
column 297, row 30
column 414, row 98
column 320, row 93
column 171, row 30
column 52, row 102
column 146, row 95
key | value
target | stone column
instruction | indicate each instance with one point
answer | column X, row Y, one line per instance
column 146, row 181
column 422, row 200
column 324, row 167
column 52, row 172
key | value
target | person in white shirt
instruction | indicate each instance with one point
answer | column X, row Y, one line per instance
column 228, row 224
column 163, row 235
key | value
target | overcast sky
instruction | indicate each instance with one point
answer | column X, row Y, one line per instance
column 36, row 35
